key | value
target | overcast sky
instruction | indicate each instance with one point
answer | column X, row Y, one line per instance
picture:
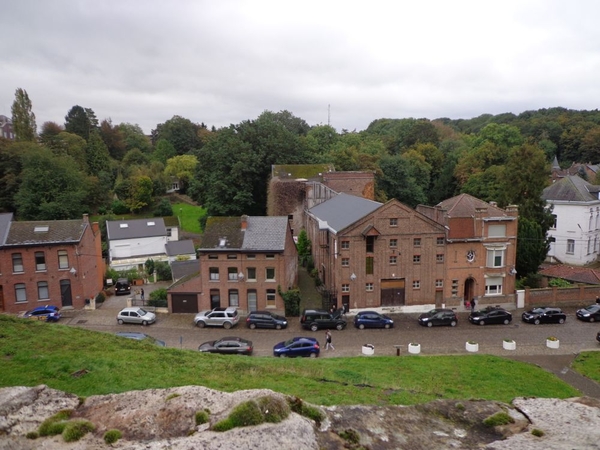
column 343, row 62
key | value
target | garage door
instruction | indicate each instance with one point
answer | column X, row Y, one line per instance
column 392, row 292
column 184, row 303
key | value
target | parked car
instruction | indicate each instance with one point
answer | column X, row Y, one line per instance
column 141, row 337
column 135, row 315
column 228, row 346
column 122, row 287
column 49, row 313
column 317, row 319
column 544, row 314
column 372, row 319
column 297, row 346
column 589, row 314
column 217, row 317
column 438, row 317
column 598, row 336
column 490, row 314
column 265, row 319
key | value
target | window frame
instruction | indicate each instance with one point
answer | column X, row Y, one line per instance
column 63, row 256
column 20, row 288
column 43, row 290
column 272, row 270
column 213, row 274
column 17, row 263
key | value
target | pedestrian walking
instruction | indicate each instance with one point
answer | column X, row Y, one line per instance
column 473, row 303
column 142, row 294
column 328, row 344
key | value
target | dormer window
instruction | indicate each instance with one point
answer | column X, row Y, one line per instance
column 222, row 242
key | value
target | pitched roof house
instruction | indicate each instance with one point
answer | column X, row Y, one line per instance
column 55, row 262
column 576, row 207
column 370, row 254
column 481, row 244
column 243, row 262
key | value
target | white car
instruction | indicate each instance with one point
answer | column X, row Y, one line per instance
column 218, row 317
column 135, row 315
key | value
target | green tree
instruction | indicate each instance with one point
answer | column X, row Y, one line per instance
column 97, row 156
column 113, row 139
column 163, row 151
column 304, row 247
column 182, row 133
column 11, row 166
column 399, row 180
column 140, row 195
column 69, row 144
column 134, row 138
column 52, row 188
column 23, row 117
column 50, row 131
column 182, row 167
column 80, row 121
column 532, row 247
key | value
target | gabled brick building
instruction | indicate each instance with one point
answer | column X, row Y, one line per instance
column 56, row 262
column 481, row 249
column 243, row 261
column 370, row 254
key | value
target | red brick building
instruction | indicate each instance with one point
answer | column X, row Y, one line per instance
column 481, row 248
column 370, row 254
column 243, row 261
column 56, row 262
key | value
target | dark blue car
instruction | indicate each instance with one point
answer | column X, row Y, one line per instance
column 372, row 319
column 297, row 346
column 48, row 313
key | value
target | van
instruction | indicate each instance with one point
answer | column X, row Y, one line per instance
column 122, row 287
column 317, row 319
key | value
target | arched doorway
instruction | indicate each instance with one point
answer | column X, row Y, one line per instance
column 469, row 292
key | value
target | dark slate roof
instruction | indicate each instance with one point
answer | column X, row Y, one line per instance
column 574, row 274
column 465, row 205
column 261, row 234
column 41, row 232
column 343, row 210
column 571, row 189
column 181, row 269
column 135, row 228
column 174, row 248
column 5, row 220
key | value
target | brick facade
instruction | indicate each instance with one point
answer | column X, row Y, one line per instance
column 61, row 273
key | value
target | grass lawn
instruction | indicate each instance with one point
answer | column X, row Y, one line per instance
column 38, row 353
column 188, row 216
column 588, row 364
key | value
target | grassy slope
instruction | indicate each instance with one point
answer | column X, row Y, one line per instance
column 188, row 216
column 38, row 353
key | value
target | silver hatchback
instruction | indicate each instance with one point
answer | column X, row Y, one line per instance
column 135, row 315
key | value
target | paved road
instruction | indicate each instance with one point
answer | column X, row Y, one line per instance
column 177, row 330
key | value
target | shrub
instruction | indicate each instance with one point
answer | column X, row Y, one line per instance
column 500, row 418
column 202, row 416
column 32, row 435
column 460, row 406
column 350, row 435
column 163, row 271
column 118, row 207
column 274, row 409
column 537, row 432
column 158, row 298
column 112, row 436
column 56, row 424
column 100, row 297
column 291, row 300
column 172, row 396
column 76, row 430
column 163, row 209
column 243, row 415
column 299, row 407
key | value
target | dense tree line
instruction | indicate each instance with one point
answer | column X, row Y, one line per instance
column 87, row 165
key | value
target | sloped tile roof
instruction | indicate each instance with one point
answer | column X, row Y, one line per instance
column 571, row 189
column 135, row 228
column 185, row 269
column 175, row 248
column 465, row 205
column 572, row 273
column 45, row 232
column 343, row 210
column 5, row 220
column 261, row 234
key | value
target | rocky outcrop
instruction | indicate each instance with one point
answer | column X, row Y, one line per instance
column 166, row 418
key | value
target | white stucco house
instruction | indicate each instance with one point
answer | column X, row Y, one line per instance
column 132, row 242
column 575, row 235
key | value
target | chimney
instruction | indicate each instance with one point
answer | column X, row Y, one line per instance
column 86, row 218
column 244, row 222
